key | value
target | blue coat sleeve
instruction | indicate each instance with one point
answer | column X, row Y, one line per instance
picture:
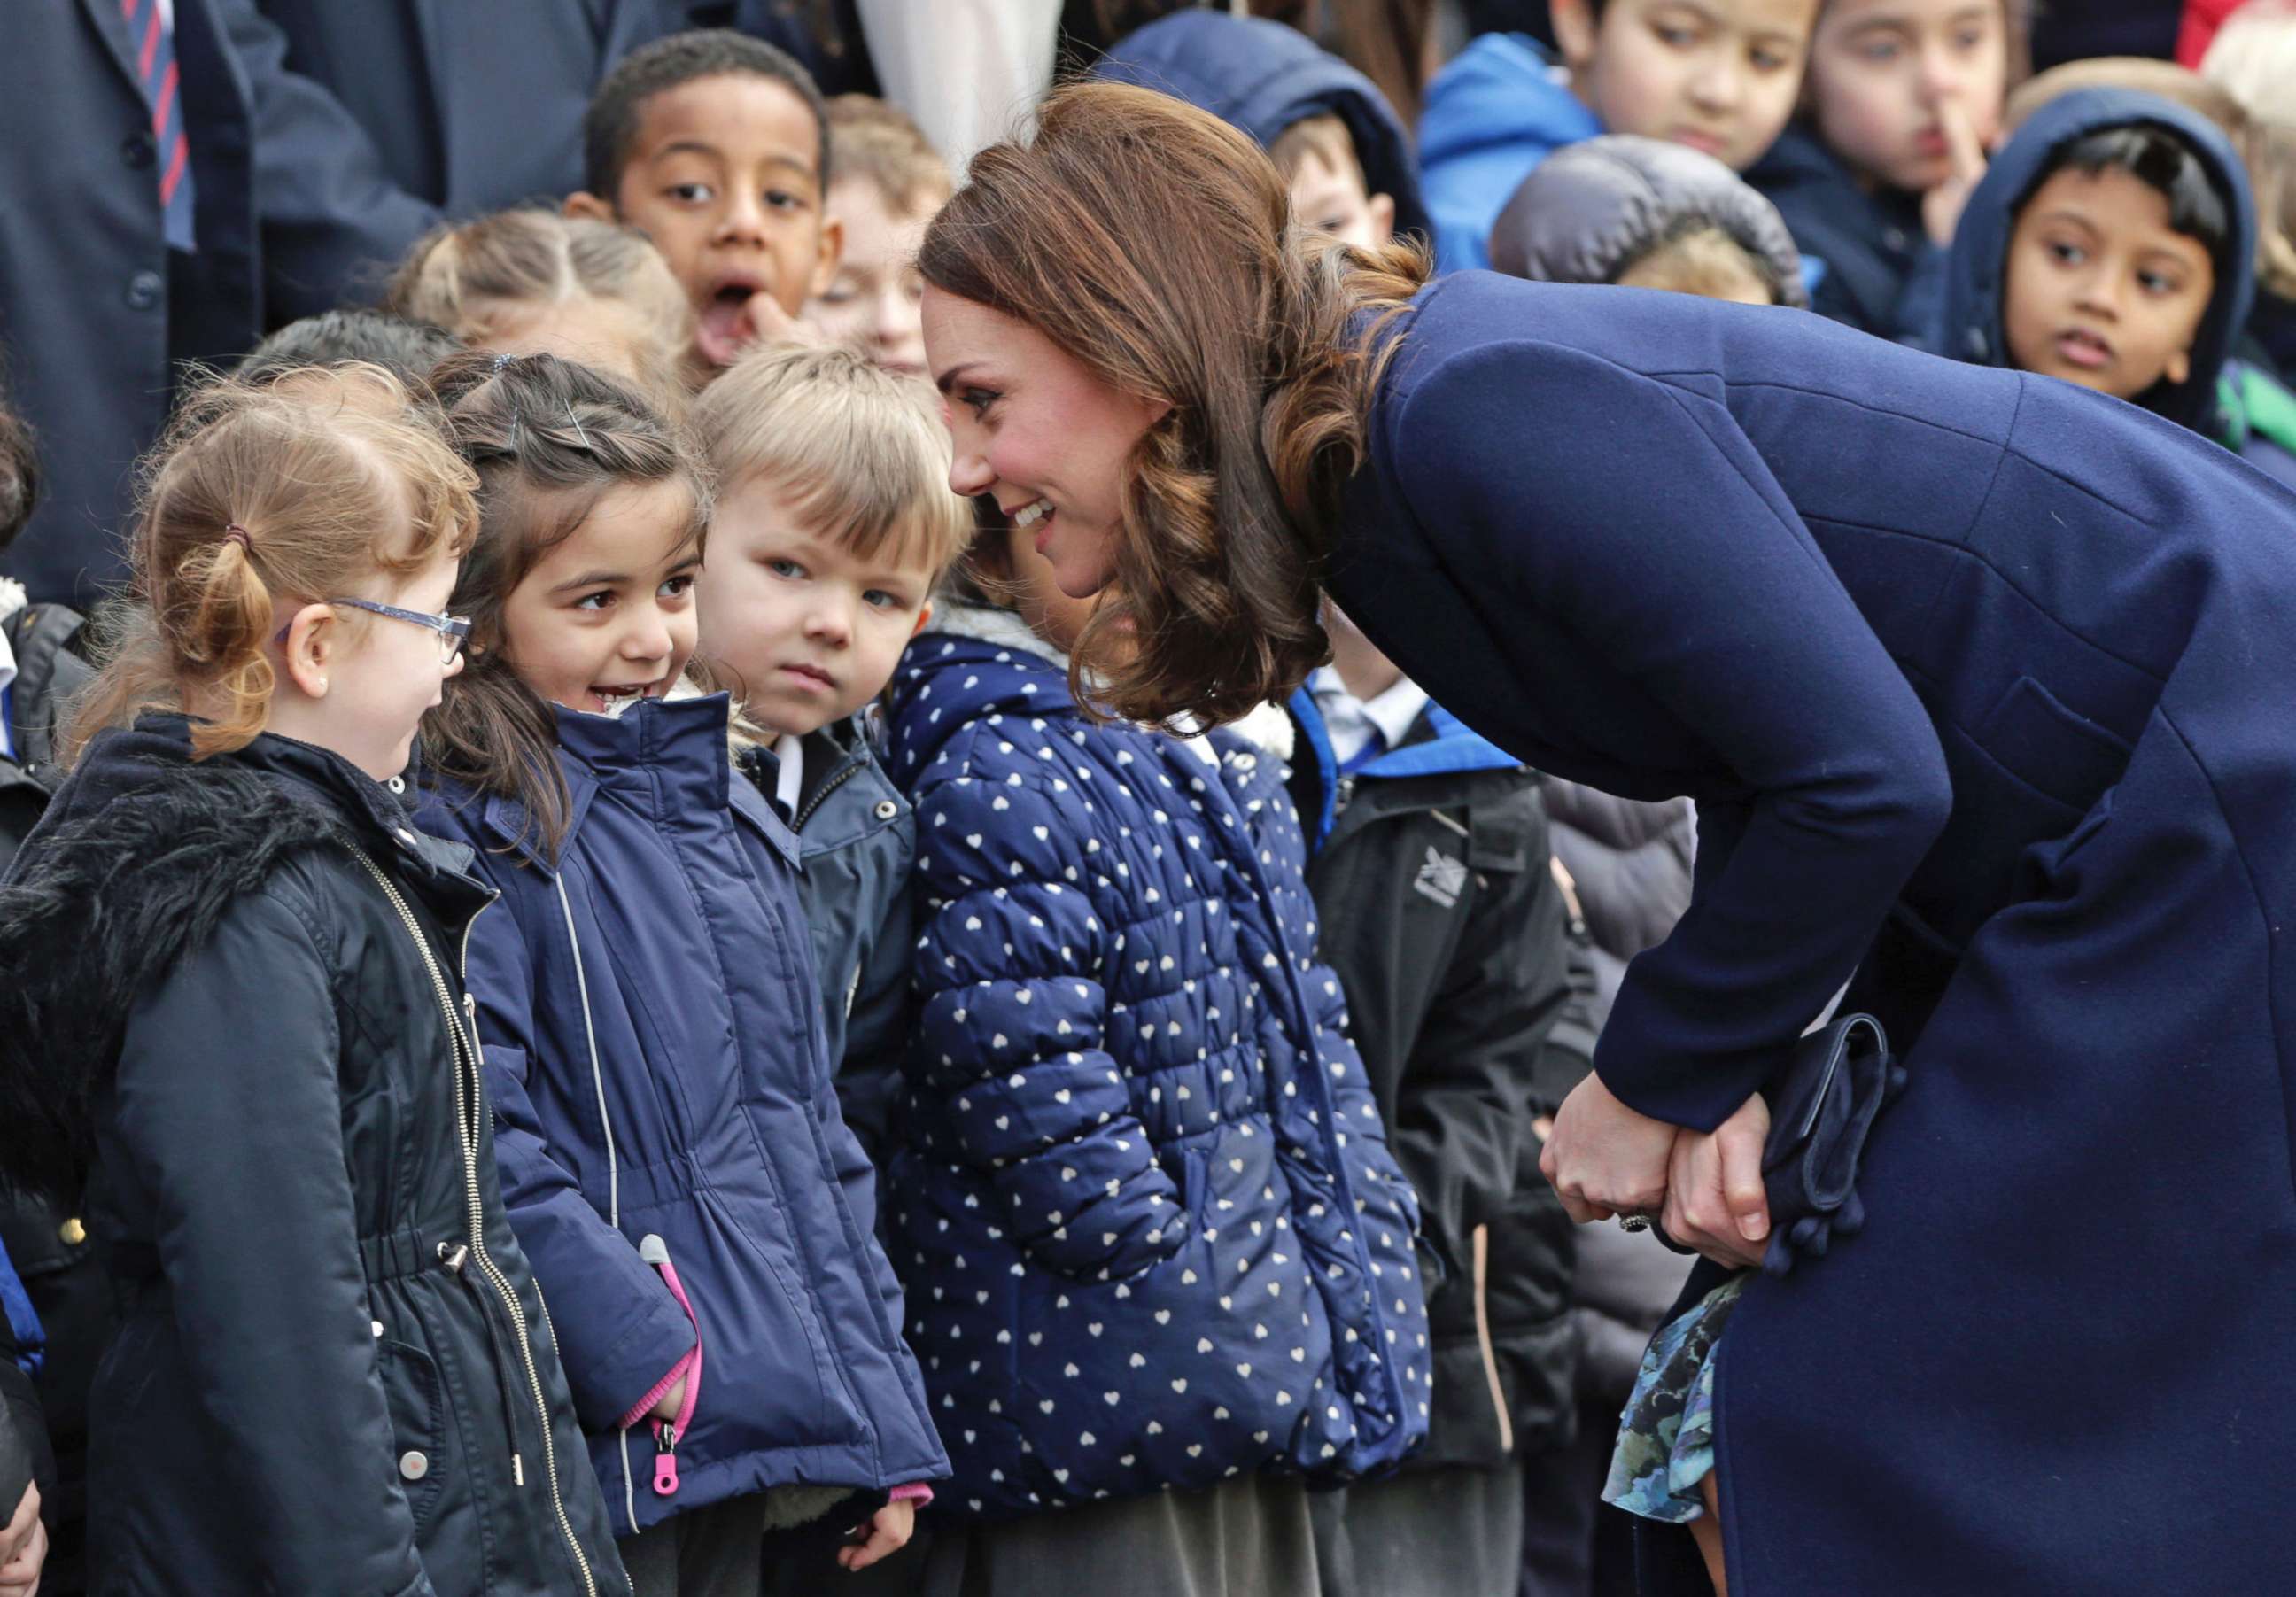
column 332, row 219
column 1673, row 556
column 619, row 1329
column 1011, row 1032
column 236, row 1133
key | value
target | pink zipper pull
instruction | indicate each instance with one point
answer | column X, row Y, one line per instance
column 665, row 1459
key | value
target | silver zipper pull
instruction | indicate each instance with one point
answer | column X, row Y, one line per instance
column 453, row 1255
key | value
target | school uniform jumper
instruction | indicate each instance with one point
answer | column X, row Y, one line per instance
column 662, row 1098
column 1991, row 666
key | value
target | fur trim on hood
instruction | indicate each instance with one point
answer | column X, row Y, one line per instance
column 98, row 910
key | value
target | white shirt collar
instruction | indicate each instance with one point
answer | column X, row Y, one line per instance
column 1351, row 720
column 789, row 780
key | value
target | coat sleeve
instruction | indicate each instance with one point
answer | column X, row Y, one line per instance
column 235, row 1134
column 1011, row 1033
column 332, row 219
column 1464, row 1104
column 619, row 1329
column 1678, row 561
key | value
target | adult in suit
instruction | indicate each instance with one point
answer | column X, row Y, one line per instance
column 277, row 205
column 1979, row 680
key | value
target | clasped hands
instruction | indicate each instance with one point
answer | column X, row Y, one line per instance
column 1703, row 1188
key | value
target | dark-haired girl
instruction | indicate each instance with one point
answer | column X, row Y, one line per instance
column 1974, row 676
column 668, row 1130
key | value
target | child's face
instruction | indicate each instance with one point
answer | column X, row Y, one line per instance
column 1334, row 200
column 725, row 178
column 1037, row 431
column 873, row 302
column 359, row 684
column 1720, row 76
column 1883, row 74
column 608, row 614
column 2099, row 289
column 807, row 631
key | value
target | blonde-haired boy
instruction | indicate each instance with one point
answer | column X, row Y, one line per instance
column 834, row 520
column 887, row 181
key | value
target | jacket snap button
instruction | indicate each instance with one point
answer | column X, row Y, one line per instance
column 396, row 784
column 145, row 291
column 413, row 1465
column 72, row 1232
column 376, row 1326
column 887, row 810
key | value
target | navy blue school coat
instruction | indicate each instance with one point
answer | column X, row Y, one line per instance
column 1997, row 670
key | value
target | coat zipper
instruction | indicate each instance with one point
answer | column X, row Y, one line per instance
column 805, row 812
column 467, row 1125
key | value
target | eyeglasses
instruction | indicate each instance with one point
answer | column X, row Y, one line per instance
column 451, row 630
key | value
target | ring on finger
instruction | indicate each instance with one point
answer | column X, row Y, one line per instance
column 1637, row 1220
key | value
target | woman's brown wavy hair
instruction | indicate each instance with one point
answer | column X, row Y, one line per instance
column 1154, row 243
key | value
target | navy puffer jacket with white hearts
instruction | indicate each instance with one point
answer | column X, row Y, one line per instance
column 1150, row 1227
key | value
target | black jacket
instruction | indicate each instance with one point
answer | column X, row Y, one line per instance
column 1439, row 913
column 1876, row 270
column 45, row 1235
column 333, row 1371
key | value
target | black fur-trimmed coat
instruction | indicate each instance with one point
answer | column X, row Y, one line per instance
column 333, row 1372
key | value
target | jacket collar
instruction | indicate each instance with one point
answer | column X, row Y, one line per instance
column 1439, row 744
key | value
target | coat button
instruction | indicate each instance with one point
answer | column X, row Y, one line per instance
column 145, row 291
column 376, row 1327
column 72, row 1232
column 887, row 810
column 138, row 149
column 413, row 1465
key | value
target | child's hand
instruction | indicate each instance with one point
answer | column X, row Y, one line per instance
column 23, row 1547
column 1942, row 206
column 769, row 323
column 889, row 1529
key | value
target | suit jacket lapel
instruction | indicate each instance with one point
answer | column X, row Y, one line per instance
column 111, row 25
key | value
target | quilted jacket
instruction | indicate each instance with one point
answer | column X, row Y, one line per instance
column 1151, row 1229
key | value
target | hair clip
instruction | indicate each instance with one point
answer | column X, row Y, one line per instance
column 503, row 359
column 578, row 424
column 236, row 534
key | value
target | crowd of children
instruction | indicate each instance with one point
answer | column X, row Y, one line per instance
column 590, row 1004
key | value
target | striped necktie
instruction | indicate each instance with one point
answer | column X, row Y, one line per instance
column 152, row 41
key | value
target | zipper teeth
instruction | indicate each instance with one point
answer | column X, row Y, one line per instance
column 466, row 1132
column 805, row 812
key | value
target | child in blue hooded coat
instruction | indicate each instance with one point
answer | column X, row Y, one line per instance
column 1157, row 1252
column 667, row 1120
column 2112, row 244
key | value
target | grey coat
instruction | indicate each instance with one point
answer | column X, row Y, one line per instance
column 1590, row 211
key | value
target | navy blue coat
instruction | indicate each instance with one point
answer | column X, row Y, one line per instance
column 293, row 209
column 655, row 1058
column 1263, row 78
column 1151, row 1230
column 1866, row 251
column 1993, row 659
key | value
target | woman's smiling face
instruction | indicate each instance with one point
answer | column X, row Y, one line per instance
column 1038, row 431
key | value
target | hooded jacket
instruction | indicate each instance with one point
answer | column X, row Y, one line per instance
column 1439, row 913
column 333, row 1372
column 1495, row 111
column 1972, row 329
column 1151, row 1229
column 1262, row 77
column 1589, row 212
column 670, row 1141
column 1871, row 264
